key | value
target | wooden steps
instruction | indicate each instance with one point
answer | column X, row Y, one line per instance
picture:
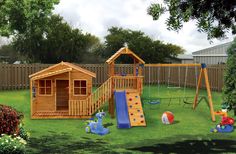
column 57, row 115
column 136, row 115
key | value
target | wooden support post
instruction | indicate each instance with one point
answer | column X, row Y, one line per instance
column 141, row 84
column 140, row 69
column 134, row 68
column 111, row 106
column 31, row 98
column 209, row 94
column 112, row 69
column 70, row 94
column 198, row 88
column 111, row 100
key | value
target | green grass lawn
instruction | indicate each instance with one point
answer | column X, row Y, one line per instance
column 190, row 132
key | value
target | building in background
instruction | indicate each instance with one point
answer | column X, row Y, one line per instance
column 181, row 59
column 212, row 55
column 185, row 59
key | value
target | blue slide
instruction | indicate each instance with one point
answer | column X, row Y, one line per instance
column 122, row 110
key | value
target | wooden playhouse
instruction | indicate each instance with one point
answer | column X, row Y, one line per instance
column 54, row 89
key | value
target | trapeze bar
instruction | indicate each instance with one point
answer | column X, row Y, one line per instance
column 172, row 65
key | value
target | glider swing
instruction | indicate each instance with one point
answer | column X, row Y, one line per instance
column 185, row 98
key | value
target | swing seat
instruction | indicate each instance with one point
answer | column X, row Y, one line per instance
column 198, row 102
column 154, row 102
column 173, row 87
column 185, row 102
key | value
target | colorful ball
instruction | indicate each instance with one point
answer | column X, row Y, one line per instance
column 167, row 117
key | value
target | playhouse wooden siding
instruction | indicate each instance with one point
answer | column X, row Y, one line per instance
column 62, row 88
column 47, row 103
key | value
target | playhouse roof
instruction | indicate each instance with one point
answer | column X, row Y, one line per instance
column 44, row 73
column 124, row 51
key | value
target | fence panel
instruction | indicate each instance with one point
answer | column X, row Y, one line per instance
column 13, row 77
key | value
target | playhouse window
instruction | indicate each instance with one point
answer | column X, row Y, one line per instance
column 45, row 87
column 80, row 87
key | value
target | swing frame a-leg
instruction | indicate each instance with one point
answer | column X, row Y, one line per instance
column 203, row 72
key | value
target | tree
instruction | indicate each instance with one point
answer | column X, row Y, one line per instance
column 40, row 35
column 151, row 51
column 215, row 18
column 10, row 55
column 229, row 90
column 24, row 16
column 26, row 19
column 57, row 42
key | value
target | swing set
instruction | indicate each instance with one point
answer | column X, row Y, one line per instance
column 198, row 81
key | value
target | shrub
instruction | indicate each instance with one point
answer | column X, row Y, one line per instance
column 11, row 145
column 229, row 90
column 9, row 120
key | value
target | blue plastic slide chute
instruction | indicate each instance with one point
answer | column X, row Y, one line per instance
column 121, row 110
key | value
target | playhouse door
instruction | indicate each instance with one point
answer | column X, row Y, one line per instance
column 62, row 94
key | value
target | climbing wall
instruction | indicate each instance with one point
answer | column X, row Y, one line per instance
column 136, row 116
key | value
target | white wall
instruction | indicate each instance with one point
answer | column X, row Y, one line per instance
column 210, row 59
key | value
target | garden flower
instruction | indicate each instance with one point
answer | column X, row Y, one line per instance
column 22, row 141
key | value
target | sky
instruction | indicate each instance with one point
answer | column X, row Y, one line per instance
column 96, row 16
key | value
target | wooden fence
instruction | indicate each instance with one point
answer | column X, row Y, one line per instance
column 13, row 77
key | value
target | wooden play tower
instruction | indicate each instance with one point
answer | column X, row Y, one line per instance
column 132, row 82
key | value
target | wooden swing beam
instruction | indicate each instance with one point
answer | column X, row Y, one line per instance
column 203, row 72
column 172, row 65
